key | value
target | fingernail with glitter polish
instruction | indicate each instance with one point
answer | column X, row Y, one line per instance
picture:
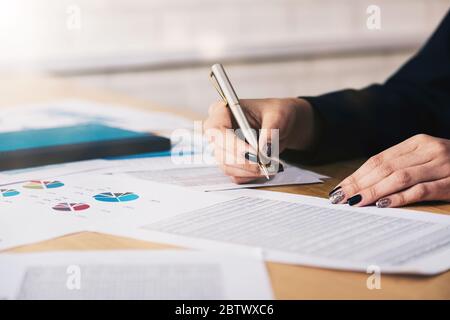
column 354, row 200
column 334, row 190
column 337, row 196
column 383, row 203
column 251, row 157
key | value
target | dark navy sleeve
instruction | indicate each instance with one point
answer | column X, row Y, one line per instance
column 416, row 99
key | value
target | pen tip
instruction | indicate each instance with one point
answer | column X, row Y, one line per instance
column 266, row 173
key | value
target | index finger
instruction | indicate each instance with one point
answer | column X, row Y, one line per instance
column 377, row 160
column 219, row 116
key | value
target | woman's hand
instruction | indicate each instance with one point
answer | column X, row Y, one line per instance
column 292, row 116
column 417, row 169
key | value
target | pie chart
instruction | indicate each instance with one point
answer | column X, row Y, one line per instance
column 66, row 206
column 116, row 197
column 38, row 184
column 9, row 192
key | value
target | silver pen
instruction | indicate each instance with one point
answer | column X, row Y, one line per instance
column 226, row 91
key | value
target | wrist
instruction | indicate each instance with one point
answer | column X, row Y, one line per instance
column 303, row 132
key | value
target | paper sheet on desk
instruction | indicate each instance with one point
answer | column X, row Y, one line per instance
column 203, row 177
column 50, row 171
column 310, row 231
column 112, row 275
column 39, row 210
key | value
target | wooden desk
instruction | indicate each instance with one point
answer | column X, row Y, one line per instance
column 288, row 281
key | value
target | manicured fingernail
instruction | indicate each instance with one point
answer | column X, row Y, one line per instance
column 334, row 190
column 280, row 168
column 354, row 200
column 251, row 157
column 337, row 196
column 383, row 203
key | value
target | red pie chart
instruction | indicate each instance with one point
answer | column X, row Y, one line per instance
column 66, row 206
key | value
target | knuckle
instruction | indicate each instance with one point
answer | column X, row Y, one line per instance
column 373, row 194
column 385, row 170
column 375, row 161
column 441, row 147
column 351, row 180
column 421, row 137
column 403, row 178
column 421, row 191
column 346, row 180
column 353, row 185
column 401, row 199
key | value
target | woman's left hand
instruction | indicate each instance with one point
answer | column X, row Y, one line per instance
column 417, row 169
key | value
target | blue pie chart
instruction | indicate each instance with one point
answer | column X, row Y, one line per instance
column 9, row 192
column 116, row 197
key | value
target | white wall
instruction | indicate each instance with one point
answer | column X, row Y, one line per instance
column 46, row 34
column 160, row 49
column 190, row 87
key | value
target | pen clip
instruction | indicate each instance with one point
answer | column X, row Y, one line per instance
column 216, row 85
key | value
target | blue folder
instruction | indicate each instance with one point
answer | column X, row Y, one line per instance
column 28, row 148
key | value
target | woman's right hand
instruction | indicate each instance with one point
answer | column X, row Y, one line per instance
column 293, row 117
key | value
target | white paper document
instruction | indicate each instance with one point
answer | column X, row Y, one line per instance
column 41, row 209
column 155, row 275
column 203, row 177
column 50, row 171
column 310, row 231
